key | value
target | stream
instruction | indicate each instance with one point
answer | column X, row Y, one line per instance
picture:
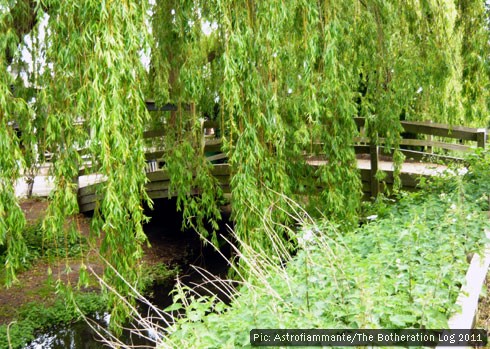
column 183, row 248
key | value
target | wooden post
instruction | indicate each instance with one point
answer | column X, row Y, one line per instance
column 481, row 137
column 430, row 139
column 374, row 153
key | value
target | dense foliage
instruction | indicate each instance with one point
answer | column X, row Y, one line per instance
column 74, row 246
column 35, row 317
column 282, row 78
column 402, row 269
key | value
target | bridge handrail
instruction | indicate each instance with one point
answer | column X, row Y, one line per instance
column 363, row 145
column 442, row 130
column 478, row 135
column 418, row 127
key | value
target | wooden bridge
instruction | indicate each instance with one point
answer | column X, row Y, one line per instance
column 427, row 137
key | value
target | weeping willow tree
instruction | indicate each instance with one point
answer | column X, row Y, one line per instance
column 282, row 78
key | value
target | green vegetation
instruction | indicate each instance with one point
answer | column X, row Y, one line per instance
column 158, row 274
column 281, row 78
column 402, row 269
column 35, row 317
column 72, row 246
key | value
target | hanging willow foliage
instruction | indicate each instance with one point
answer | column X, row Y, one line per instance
column 12, row 219
column 289, row 77
column 283, row 79
column 96, row 75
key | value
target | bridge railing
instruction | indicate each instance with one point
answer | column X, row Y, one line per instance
column 446, row 136
column 414, row 128
column 438, row 142
column 420, row 140
column 460, row 133
column 156, row 151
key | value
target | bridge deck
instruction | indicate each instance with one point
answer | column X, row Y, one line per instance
column 158, row 184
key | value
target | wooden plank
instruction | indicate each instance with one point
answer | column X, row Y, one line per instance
column 164, row 194
column 159, row 190
column 458, row 132
column 226, row 189
column 212, row 145
column 418, row 155
column 153, row 133
column 89, row 189
column 87, row 207
column 409, row 180
column 469, row 295
column 151, row 106
column 157, row 185
column 160, row 175
column 436, row 129
column 365, row 140
column 221, row 170
column 154, row 155
column 470, row 291
column 436, row 144
column 429, row 148
column 216, row 157
column 420, row 143
column 159, row 194
column 86, row 169
column 165, row 185
column 223, row 180
column 409, row 154
column 160, row 132
column 86, row 199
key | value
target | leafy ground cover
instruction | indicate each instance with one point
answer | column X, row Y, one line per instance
column 402, row 269
column 36, row 316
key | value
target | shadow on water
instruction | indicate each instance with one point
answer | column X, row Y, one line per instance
column 169, row 245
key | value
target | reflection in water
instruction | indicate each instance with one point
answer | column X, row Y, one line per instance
column 80, row 335
column 73, row 336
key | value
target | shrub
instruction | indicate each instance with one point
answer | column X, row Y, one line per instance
column 403, row 268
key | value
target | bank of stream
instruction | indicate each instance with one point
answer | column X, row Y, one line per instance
column 170, row 247
column 80, row 335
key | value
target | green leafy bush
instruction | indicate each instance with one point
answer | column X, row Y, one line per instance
column 403, row 268
column 71, row 245
column 34, row 317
